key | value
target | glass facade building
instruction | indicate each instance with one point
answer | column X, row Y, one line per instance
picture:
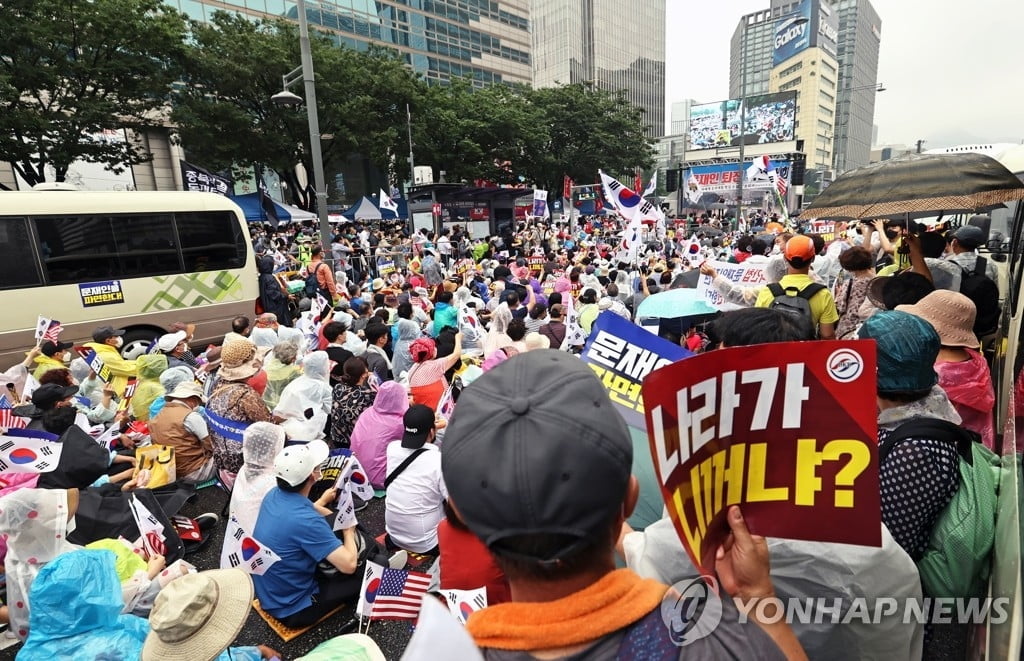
column 750, row 55
column 488, row 40
column 613, row 45
column 860, row 33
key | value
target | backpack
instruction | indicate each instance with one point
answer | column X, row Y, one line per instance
column 797, row 303
column 313, row 285
column 980, row 288
column 956, row 562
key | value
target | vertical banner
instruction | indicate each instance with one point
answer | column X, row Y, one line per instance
column 787, row 431
column 540, row 204
column 622, row 354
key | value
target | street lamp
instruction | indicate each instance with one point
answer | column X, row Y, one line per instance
column 285, row 98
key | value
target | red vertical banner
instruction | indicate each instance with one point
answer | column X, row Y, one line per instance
column 787, row 431
column 567, row 187
column 638, row 183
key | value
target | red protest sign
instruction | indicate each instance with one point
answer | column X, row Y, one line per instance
column 787, row 431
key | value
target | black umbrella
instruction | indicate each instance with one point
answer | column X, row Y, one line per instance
column 916, row 184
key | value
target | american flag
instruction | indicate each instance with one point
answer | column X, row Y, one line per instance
column 7, row 418
column 399, row 594
column 778, row 181
column 52, row 331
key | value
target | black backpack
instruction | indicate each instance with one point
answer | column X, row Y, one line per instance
column 796, row 303
column 313, row 286
column 980, row 288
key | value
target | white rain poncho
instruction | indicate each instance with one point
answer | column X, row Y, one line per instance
column 35, row 523
column 261, row 442
column 305, row 403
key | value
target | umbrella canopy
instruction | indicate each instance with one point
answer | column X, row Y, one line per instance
column 918, row 183
column 675, row 303
column 250, row 205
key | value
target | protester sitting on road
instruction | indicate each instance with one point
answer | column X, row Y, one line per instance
column 147, row 387
column 240, row 329
column 963, row 371
column 292, row 590
column 107, row 343
column 526, row 488
column 465, row 562
column 404, row 332
column 416, row 490
column 261, row 443
column 305, row 404
column 554, row 330
column 265, row 335
column 170, row 380
column 233, row 402
column 377, row 336
column 179, row 426
column 52, row 357
column 497, row 331
column 377, row 426
column 281, row 370
column 102, row 406
column 427, row 381
column 351, row 397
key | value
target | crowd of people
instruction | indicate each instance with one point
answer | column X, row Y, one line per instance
column 445, row 364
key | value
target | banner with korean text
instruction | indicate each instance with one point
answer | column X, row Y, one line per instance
column 744, row 275
column 787, row 431
column 622, row 354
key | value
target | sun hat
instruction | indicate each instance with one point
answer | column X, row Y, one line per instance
column 187, row 389
column 197, row 616
column 297, row 462
column 969, row 236
column 419, row 422
column 170, row 340
column 48, row 395
column 377, row 284
column 536, row 341
column 535, row 469
column 801, row 248
column 103, row 333
column 907, row 347
column 951, row 314
column 237, row 360
column 49, row 348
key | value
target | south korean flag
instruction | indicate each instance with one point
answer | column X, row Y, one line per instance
column 29, row 451
column 463, row 603
column 245, row 551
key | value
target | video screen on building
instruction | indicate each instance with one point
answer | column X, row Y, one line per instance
column 768, row 117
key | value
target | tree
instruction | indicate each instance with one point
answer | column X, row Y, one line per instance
column 72, row 69
column 225, row 117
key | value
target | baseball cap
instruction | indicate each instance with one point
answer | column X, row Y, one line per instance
column 907, row 347
column 49, row 348
column 969, row 236
column 800, row 247
column 103, row 333
column 170, row 340
column 47, row 395
column 419, row 422
column 536, row 469
column 297, row 462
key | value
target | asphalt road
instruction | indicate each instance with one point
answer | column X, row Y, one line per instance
column 391, row 636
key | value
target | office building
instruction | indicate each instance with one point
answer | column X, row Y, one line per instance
column 488, row 40
column 679, row 123
column 612, row 45
column 860, row 33
column 848, row 33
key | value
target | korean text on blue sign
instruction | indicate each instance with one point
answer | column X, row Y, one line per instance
column 105, row 292
column 622, row 354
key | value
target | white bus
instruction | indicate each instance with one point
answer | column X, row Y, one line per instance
column 131, row 260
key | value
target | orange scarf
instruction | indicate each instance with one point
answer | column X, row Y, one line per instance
column 614, row 602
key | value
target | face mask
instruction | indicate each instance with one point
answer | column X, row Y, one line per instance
column 776, row 250
column 118, row 342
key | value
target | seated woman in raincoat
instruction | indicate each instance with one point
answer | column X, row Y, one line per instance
column 305, row 403
column 147, row 387
column 261, row 442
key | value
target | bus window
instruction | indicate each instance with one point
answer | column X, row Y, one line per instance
column 17, row 262
column 86, row 248
column 210, row 240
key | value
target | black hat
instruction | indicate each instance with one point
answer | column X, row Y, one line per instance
column 969, row 236
column 103, row 333
column 48, row 395
column 537, row 467
column 419, row 422
column 50, row 348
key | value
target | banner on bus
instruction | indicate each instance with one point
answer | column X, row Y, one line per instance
column 103, row 292
column 787, row 431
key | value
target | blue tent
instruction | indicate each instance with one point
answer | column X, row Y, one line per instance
column 403, row 209
column 286, row 213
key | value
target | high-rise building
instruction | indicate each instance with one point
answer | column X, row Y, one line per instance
column 487, row 40
column 847, row 32
column 572, row 42
column 860, row 33
column 680, row 117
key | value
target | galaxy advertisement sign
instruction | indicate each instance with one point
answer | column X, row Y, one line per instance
column 793, row 33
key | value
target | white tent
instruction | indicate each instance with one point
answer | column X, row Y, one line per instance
column 366, row 210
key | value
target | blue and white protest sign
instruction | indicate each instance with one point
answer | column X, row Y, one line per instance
column 622, row 354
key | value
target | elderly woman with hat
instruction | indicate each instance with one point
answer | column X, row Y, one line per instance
column 234, row 405
column 962, row 369
column 179, row 426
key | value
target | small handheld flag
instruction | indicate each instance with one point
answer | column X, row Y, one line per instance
column 245, row 551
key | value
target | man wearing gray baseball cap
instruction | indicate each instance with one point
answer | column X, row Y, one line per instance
column 537, row 464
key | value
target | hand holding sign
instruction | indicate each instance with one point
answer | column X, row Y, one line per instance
column 786, row 430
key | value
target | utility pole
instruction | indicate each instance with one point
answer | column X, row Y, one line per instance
column 412, row 161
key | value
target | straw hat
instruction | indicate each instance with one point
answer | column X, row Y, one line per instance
column 197, row 616
column 951, row 314
column 238, row 360
column 187, row 389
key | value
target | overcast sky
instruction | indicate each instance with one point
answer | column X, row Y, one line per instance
column 952, row 70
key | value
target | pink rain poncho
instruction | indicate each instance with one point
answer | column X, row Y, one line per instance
column 376, row 427
column 968, row 385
